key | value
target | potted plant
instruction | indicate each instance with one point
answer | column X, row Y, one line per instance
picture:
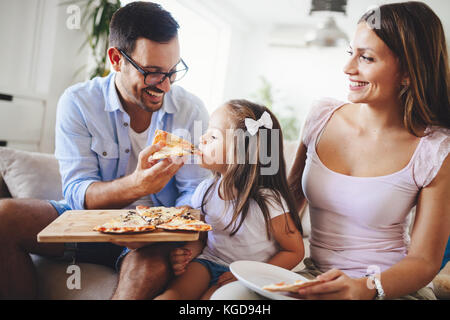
column 96, row 16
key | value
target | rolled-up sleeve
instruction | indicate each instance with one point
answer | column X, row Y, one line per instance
column 77, row 162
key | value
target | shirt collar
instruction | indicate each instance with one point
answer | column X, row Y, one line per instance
column 113, row 101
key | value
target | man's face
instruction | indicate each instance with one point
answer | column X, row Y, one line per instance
column 151, row 56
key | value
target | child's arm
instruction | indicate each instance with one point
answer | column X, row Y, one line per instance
column 292, row 250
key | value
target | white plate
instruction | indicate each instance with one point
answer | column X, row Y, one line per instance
column 254, row 275
column 235, row 291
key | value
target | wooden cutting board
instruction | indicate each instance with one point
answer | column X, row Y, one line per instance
column 77, row 225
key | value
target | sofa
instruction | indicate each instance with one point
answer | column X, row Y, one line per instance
column 25, row 174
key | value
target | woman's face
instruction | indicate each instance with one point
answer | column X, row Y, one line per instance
column 373, row 69
column 212, row 143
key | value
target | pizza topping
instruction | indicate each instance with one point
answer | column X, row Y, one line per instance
column 172, row 145
column 185, row 222
column 148, row 218
column 129, row 222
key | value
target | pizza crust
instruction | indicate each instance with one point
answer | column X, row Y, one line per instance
column 290, row 287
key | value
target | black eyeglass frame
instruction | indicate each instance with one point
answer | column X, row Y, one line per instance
column 146, row 73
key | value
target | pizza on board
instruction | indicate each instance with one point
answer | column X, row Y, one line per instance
column 159, row 215
column 185, row 222
column 131, row 222
column 172, row 145
column 146, row 219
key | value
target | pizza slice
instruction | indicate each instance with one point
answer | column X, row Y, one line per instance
column 172, row 145
column 131, row 222
column 185, row 222
column 291, row 287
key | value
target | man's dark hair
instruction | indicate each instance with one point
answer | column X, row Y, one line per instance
column 141, row 19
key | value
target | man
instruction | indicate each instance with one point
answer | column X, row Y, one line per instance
column 102, row 129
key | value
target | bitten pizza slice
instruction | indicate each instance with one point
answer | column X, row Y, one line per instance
column 185, row 222
column 131, row 222
column 172, row 145
column 290, row 287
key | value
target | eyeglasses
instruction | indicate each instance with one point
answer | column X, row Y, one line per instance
column 154, row 78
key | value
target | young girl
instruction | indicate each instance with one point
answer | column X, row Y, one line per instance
column 252, row 213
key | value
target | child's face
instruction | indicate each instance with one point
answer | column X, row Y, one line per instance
column 212, row 143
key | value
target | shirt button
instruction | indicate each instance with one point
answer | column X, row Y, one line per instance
column 104, row 153
column 127, row 150
column 125, row 124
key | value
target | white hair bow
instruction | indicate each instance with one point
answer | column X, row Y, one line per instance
column 254, row 125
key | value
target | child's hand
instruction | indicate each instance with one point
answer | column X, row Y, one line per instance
column 225, row 278
column 179, row 258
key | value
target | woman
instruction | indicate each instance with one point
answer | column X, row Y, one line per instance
column 362, row 166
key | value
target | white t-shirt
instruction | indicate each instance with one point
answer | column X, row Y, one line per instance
column 248, row 243
column 138, row 143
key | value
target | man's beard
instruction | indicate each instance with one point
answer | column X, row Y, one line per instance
column 149, row 93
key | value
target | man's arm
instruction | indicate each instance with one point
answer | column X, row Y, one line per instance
column 148, row 178
column 84, row 186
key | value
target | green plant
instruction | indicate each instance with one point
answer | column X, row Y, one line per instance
column 95, row 21
column 285, row 113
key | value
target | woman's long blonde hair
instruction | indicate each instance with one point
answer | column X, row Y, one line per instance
column 414, row 33
column 246, row 177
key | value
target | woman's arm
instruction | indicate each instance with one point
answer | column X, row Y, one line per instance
column 429, row 237
column 295, row 177
column 289, row 240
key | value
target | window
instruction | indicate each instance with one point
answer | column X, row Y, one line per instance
column 204, row 42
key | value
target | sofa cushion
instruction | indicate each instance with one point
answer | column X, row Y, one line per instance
column 30, row 174
column 55, row 280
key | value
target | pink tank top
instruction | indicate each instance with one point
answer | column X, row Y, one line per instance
column 360, row 224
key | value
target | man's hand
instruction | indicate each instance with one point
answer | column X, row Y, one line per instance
column 151, row 176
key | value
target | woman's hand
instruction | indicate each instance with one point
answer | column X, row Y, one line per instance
column 179, row 258
column 225, row 278
column 338, row 286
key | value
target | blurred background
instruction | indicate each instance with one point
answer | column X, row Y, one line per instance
column 281, row 53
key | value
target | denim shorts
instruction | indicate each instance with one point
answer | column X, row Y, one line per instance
column 215, row 269
column 106, row 254
column 60, row 206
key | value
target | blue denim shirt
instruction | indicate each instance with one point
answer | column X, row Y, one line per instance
column 92, row 142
